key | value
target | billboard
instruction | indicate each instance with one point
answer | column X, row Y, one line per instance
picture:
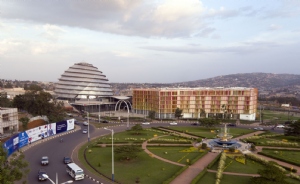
column 12, row 144
column 29, row 136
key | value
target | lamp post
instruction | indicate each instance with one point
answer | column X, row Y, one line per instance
column 47, row 177
column 112, row 153
column 99, row 111
column 88, row 120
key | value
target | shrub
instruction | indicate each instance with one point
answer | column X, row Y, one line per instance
column 204, row 146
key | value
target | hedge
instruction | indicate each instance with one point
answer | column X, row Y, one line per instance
column 213, row 162
column 281, row 159
column 199, row 176
column 175, row 175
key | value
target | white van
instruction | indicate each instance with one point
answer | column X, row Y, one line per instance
column 75, row 171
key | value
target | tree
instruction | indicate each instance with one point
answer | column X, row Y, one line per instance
column 208, row 122
column 202, row 113
column 137, row 129
column 4, row 101
column 8, row 85
column 178, row 113
column 293, row 129
column 270, row 175
column 34, row 87
column 152, row 115
column 24, row 121
column 127, row 152
column 14, row 168
column 40, row 103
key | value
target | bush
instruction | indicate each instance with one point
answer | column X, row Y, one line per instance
column 204, row 146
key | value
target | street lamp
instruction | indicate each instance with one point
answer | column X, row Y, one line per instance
column 88, row 120
column 99, row 111
column 112, row 152
column 47, row 177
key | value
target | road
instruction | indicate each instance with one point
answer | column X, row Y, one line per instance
column 56, row 151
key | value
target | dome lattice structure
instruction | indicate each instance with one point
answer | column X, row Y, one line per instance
column 82, row 81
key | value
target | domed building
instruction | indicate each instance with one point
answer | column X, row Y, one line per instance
column 85, row 88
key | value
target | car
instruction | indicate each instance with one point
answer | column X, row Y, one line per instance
column 231, row 124
column 196, row 123
column 85, row 123
column 84, row 131
column 41, row 175
column 104, row 121
column 173, row 123
column 76, row 122
column 280, row 126
column 258, row 128
column 45, row 160
column 146, row 123
column 67, row 160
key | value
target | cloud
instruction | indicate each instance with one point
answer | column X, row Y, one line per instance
column 236, row 48
column 166, row 18
column 222, row 12
column 52, row 32
column 274, row 27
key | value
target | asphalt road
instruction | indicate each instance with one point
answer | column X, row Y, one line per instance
column 56, row 150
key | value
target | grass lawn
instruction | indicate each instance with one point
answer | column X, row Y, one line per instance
column 251, row 167
column 128, row 136
column 176, row 154
column 149, row 170
column 212, row 132
column 279, row 117
column 229, row 179
column 208, row 178
column 288, row 155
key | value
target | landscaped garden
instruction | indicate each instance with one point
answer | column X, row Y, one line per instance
column 144, row 168
column 212, row 132
column 286, row 155
column 148, row 169
column 183, row 155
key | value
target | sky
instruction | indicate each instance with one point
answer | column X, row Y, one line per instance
column 148, row 41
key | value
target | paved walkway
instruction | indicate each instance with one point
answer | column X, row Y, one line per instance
column 236, row 174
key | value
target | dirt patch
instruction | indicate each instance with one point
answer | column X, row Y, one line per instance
column 33, row 124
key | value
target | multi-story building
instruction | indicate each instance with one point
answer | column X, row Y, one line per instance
column 234, row 103
column 8, row 120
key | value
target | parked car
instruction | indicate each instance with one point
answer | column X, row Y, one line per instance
column 280, row 126
column 41, row 175
column 67, row 160
column 84, row 131
column 85, row 123
column 173, row 123
column 196, row 123
column 146, row 123
column 104, row 121
column 45, row 160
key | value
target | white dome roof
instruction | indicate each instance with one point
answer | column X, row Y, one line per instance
column 82, row 80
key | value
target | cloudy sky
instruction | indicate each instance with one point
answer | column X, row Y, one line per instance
column 159, row 41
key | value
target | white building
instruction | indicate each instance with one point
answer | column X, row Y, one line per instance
column 9, row 120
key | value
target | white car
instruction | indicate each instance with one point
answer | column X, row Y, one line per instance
column 146, row 123
column 85, row 123
column 280, row 126
column 173, row 123
column 84, row 131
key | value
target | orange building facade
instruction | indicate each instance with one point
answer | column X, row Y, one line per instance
column 230, row 103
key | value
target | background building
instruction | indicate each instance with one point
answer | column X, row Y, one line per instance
column 234, row 103
column 9, row 120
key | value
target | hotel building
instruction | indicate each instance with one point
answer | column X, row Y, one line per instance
column 229, row 103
